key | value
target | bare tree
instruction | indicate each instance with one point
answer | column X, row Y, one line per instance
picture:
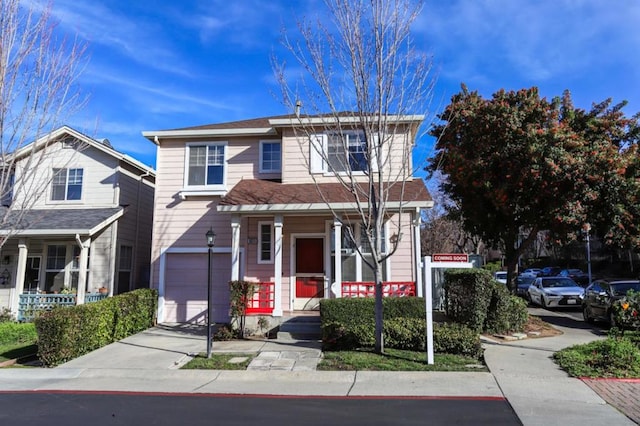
column 370, row 86
column 38, row 74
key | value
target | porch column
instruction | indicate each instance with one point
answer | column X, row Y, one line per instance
column 82, row 268
column 235, row 248
column 417, row 252
column 20, row 271
column 337, row 259
column 277, row 266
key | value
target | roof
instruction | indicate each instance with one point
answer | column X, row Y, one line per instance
column 59, row 221
column 103, row 146
column 268, row 126
column 254, row 195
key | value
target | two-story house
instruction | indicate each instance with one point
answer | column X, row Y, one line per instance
column 270, row 194
column 78, row 220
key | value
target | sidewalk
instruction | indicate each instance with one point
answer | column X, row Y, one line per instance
column 522, row 372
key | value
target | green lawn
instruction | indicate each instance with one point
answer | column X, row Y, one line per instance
column 17, row 340
column 219, row 362
column 8, row 352
column 397, row 360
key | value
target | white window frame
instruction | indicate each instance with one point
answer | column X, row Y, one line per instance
column 358, row 254
column 213, row 189
column 318, row 154
column 261, row 159
column 66, row 199
column 260, row 260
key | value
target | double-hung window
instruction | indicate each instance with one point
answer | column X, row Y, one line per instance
column 66, row 184
column 270, row 156
column 206, row 164
column 347, row 151
column 265, row 242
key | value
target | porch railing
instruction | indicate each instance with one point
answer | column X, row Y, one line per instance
column 263, row 300
column 30, row 304
column 368, row 289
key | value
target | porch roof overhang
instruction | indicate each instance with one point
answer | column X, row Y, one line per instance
column 260, row 196
column 59, row 222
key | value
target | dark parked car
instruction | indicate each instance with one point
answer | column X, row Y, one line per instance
column 523, row 282
column 600, row 295
column 550, row 271
column 577, row 275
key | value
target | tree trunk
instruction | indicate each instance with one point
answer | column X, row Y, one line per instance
column 379, row 310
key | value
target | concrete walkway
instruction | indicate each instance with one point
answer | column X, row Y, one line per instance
column 522, row 372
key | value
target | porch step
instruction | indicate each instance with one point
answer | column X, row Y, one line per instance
column 300, row 328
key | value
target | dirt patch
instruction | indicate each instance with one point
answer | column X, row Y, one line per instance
column 535, row 328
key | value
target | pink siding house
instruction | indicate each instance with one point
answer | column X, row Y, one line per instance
column 279, row 214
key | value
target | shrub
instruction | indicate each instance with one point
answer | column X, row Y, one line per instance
column 626, row 311
column 457, row 339
column 613, row 357
column 240, row 293
column 505, row 312
column 405, row 333
column 467, row 296
column 65, row 333
column 6, row 315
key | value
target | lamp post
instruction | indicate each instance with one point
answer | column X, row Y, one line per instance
column 211, row 239
column 585, row 229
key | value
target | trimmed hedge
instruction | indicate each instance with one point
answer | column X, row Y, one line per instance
column 474, row 298
column 66, row 333
column 350, row 323
column 467, row 296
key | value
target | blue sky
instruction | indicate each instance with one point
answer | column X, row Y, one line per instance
column 160, row 64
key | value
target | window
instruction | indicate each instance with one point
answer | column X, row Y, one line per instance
column 55, row 266
column 347, row 151
column 270, row 157
column 125, row 263
column 265, row 242
column 354, row 267
column 75, row 267
column 66, row 184
column 206, row 165
column 341, row 152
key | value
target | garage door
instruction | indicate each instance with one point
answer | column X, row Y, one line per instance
column 186, row 287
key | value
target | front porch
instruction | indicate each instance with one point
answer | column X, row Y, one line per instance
column 30, row 304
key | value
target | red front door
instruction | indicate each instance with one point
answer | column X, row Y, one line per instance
column 309, row 272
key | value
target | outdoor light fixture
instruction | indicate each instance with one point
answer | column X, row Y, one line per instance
column 211, row 239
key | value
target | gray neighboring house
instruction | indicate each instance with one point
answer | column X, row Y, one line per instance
column 87, row 226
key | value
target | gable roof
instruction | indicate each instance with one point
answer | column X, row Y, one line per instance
column 266, row 126
column 59, row 133
column 255, row 195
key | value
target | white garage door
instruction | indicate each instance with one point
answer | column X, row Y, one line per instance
column 186, row 287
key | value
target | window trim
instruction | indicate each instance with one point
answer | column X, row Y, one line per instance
column 66, row 200
column 271, row 243
column 319, row 155
column 214, row 189
column 261, row 169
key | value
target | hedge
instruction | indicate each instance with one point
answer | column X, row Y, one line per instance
column 475, row 299
column 65, row 333
column 350, row 323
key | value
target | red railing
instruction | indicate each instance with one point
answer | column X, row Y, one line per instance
column 263, row 300
column 368, row 289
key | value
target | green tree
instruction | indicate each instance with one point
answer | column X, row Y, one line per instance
column 518, row 162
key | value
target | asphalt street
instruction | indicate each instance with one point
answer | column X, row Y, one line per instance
column 98, row 409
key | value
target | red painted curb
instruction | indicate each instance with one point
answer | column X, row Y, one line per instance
column 266, row 396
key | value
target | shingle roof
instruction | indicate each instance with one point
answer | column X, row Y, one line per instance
column 59, row 220
column 262, row 192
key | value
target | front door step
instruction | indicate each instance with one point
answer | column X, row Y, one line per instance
column 300, row 328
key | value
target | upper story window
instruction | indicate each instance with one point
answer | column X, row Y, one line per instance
column 206, row 164
column 347, row 151
column 270, row 156
column 66, row 184
column 341, row 152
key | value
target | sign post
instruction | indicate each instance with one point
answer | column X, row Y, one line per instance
column 448, row 261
